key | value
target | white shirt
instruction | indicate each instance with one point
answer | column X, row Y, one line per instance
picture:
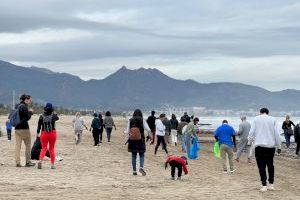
column 160, row 128
column 264, row 132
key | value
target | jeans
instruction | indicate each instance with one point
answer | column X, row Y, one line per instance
column 183, row 146
column 175, row 165
column 142, row 160
column 287, row 139
column 8, row 134
column 161, row 140
column 265, row 158
column 108, row 132
column 96, row 133
column 188, row 143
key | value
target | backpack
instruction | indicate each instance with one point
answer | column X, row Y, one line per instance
column 15, row 119
column 135, row 134
column 47, row 123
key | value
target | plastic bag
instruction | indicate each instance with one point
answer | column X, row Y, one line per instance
column 194, row 150
column 217, row 149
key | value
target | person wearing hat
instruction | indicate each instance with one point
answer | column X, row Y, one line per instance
column 179, row 163
column 47, row 133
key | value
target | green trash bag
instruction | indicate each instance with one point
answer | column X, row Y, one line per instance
column 217, row 149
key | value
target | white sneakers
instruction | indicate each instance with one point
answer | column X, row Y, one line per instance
column 266, row 188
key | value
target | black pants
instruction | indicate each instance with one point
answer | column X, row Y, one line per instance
column 96, row 136
column 161, row 139
column 265, row 158
column 175, row 165
column 100, row 134
column 298, row 146
column 8, row 134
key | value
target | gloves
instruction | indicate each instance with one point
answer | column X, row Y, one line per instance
column 278, row 151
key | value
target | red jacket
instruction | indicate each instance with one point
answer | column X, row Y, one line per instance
column 179, row 160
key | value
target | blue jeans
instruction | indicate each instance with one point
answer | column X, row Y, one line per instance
column 108, row 132
column 188, row 143
column 183, row 146
column 287, row 139
column 142, row 160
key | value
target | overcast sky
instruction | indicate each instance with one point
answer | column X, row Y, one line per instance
column 254, row 42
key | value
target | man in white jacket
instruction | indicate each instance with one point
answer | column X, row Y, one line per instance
column 264, row 134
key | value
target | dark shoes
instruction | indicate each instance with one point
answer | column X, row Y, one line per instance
column 142, row 171
column 39, row 165
column 135, row 174
column 30, row 164
column 19, row 165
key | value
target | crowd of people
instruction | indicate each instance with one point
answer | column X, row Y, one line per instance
column 261, row 137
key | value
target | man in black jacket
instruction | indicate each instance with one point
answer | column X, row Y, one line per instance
column 151, row 122
column 22, row 132
column 297, row 139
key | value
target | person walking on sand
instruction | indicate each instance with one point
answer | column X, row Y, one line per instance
column 109, row 124
column 136, row 144
column 288, row 131
column 95, row 128
column 47, row 133
column 78, row 125
column 8, row 129
column 179, row 163
column 297, row 139
column 151, row 122
column 265, row 135
column 186, row 117
column 225, row 135
column 189, row 133
column 101, row 128
column 180, row 133
column 160, row 133
column 243, row 133
column 174, row 126
column 167, row 125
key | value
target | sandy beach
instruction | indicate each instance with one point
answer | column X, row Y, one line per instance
column 105, row 172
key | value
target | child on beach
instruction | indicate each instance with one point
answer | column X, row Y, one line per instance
column 8, row 129
column 179, row 163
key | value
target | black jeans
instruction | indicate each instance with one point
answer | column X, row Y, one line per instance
column 8, row 134
column 298, row 146
column 175, row 165
column 96, row 136
column 108, row 132
column 100, row 134
column 161, row 139
column 265, row 158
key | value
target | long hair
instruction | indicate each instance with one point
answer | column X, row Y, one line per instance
column 137, row 113
column 173, row 116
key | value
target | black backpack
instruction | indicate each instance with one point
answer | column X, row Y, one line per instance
column 47, row 123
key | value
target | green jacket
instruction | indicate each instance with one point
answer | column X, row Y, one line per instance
column 96, row 123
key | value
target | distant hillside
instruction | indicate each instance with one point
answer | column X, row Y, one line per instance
column 144, row 88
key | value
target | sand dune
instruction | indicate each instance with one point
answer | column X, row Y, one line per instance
column 104, row 172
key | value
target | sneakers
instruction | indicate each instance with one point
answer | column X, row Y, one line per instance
column 232, row 170
column 53, row 167
column 225, row 172
column 264, row 189
column 18, row 165
column 271, row 187
column 142, row 171
column 134, row 173
column 39, row 165
column 30, row 164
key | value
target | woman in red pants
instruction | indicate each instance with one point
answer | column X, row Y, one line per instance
column 46, row 131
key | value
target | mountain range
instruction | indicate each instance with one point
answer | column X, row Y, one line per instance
column 141, row 88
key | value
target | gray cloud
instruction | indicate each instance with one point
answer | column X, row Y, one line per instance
column 164, row 33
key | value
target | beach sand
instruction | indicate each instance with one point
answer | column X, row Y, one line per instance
column 105, row 172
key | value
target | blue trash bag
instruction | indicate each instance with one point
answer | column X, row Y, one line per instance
column 193, row 154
